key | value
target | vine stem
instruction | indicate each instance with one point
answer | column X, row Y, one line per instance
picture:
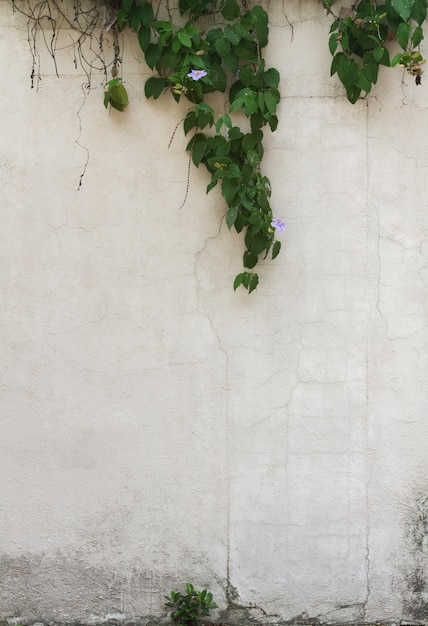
column 186, row 194
column 189, row 165
column 174, row 133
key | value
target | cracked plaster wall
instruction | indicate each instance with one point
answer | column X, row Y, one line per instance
column 157, row 427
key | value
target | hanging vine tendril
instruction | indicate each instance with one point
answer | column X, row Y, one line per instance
column 87, row 22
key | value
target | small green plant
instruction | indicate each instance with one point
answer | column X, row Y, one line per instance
column 189, row 608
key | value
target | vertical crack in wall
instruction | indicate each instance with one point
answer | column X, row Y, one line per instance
column 368, row 326
column 229, row 590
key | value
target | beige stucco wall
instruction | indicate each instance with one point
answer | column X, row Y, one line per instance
column 157, row 427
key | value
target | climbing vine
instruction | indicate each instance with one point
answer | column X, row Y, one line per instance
column 190, row 62
column 210, row 46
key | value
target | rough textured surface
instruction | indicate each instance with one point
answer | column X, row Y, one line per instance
column 156, row 426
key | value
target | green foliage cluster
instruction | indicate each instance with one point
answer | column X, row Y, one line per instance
column 187, row 609
column 359, row 37
column 191, row 63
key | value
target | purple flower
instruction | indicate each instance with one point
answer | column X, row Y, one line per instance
column 278, row 224
column 196, row 74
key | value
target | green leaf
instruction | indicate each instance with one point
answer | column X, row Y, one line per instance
column 204, row 106
column 396, row 59
column 251, row 140
column 246, row 50
column 254, row 281
column 256, row 218
column 340, row 64
column 403, row 8
column 335, row 25
column 134, row 17
column 271, row 77
column 250, row 105
column 247, row 172
column 184, row 38
column 198, row 148
column 238, row 280
column 122, row 17
column 345, row 41
column 223, row 119
column 348, row 71
column 147, row 16
column 152, row 56
column 273, row 123
column 222, row 46
column 229, row 189
column 154, row 87
column 385, row 59
column 211, row 185
column 246, row 75
column 189, row 122
column 231, row 61
column 127, row 4
column 261, row 102
column 353, row 93
column 230, row 10
column 239, row 223
column 333, row 43
column 162, row 26
column 371, row 71
column 403, row 33
column 231, row 216
column 213, row 34
column 232, row 171
column 418, row 35
column 257, row 242
column 213, row 161
column 253, row 158
column 235, row 133
column 276, row 249
column 236, row 104
column 222, row 147
column 271, row 103
column 250, row 259
column 218, row 78
column 378, row 53
column 419, row 11
column 363, row 82
column 261, row 24
column 144, row 37
column 231, row 34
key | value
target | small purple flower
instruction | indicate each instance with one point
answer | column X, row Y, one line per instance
column 196, row 74
column 278, row 224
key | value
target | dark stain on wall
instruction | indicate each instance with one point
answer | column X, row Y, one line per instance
column 67, row 589
column 416, row 604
